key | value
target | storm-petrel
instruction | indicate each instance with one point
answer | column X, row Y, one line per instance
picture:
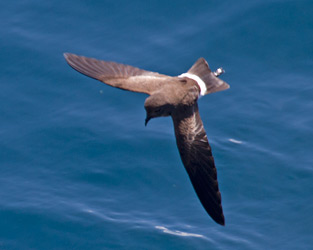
column 176, row 97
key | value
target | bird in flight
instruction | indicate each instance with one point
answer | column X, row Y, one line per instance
column 176, row 97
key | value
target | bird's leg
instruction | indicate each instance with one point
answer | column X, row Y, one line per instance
column 218, row 72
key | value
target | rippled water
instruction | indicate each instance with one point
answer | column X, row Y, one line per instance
column 79, row 170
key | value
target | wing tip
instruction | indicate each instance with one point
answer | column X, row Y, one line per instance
column 218, row 217
column 220, row 221
column 66, row 55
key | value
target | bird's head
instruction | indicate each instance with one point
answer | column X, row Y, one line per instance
column 157, row 106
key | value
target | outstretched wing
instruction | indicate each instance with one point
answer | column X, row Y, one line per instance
column 117, row 75
column 197, row 158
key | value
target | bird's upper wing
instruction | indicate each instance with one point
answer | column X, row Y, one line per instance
column 197, row 158
column 118, row 75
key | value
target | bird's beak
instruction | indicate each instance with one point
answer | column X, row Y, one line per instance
column 147, row 120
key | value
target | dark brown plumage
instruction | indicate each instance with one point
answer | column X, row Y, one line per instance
column 176, row 97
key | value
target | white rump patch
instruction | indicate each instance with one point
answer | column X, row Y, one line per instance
column 179, row 233
column 198, row 80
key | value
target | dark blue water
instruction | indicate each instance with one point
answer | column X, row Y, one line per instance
column 78, row 168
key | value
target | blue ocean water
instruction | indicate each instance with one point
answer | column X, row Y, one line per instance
column 79, row 170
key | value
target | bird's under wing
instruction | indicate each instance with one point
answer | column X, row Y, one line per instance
column 118, row 75
column 197, row 158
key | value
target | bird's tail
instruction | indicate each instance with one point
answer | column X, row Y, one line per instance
column 210, row 79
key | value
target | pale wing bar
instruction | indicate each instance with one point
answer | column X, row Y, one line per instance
column 117, row 75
